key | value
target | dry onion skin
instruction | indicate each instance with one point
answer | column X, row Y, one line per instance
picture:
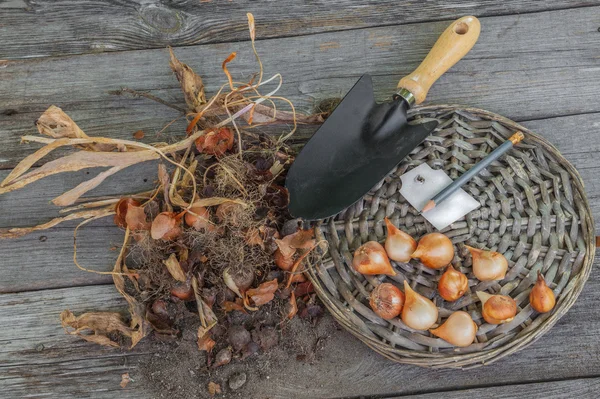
column 434, row 250
column 453, row 284
column 198, row 217
column 488, row 265
column 165, row 226
column 371, row 258
column 497, row 309
column 386, row 300
column 541, row 296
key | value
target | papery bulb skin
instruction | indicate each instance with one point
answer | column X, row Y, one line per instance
column 371, row 258
column 418, row 313
column 398, row 245
column 453, row 284
column 387, row 301
column 541, row 296
column 459, row 329
column 434, row 250
column 488, row 265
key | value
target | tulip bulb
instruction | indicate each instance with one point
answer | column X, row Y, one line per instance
column 370, row 258
column 541, row 296
column 418, row 313
column 398, row 245
column 435, row 250
column 488, row 265
column 497, row 309
column 386, row 300
column 453, row 284
column 459, row 329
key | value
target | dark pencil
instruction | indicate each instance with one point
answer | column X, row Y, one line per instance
column 458, row 183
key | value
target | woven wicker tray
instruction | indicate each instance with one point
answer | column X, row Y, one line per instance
column 534, row 211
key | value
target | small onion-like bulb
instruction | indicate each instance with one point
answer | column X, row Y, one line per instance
column 497, row 309
column 435, row 250
column 541, row 296
column 398, row 245
column 488, row 265
column 459, row 329
column 386, row 300
column 453, row 284
column 371, row 258
column 418, row 313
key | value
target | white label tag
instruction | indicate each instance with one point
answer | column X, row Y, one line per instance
column 422, row 183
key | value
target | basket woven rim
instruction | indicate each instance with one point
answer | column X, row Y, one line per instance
column 486, row 356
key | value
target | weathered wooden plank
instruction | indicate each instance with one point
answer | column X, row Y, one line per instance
column 29, row 320
column 584, row 388
column 74, row 27
column 514, row 70
column 78, row 379
column 45, row 259
column 31, row 330
column 49, row 263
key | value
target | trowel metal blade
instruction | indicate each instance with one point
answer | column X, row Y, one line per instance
column 354, row 149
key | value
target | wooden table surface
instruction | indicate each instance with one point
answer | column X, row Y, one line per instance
column 536, row 62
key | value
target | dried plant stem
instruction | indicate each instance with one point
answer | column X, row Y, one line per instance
column 136, row 93
column 16, row 232
column 120, row 253
column 199, row 301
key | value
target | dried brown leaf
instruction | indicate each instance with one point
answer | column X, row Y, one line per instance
column 72, row 163
column 135, row 218
column 213, row 388
column 69, row 197
column 94, row 326
column 125, row 379
column 191, row 83
column 229, row 306
column 253, row 237
column 139, row 325
column 264, row 114
column 174, row 268
column 165, row 226
column 205, row 341
column 16, row 232
column 54, row 122
column 264, row 293
column 302, row 239
column 212, row 201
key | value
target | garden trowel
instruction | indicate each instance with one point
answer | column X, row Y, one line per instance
column 362, row 140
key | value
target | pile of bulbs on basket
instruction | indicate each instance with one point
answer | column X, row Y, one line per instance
column 436, row 251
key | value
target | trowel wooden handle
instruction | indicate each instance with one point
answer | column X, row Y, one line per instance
column 452, row 45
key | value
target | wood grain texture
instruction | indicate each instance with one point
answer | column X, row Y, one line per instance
column 96, row 378
column 583, row 388
column 514, row 70
column 48, row 28
column 49, row 263
column 36, row 354
column 452, row 45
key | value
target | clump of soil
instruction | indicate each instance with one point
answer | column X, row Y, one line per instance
column 176, row 368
